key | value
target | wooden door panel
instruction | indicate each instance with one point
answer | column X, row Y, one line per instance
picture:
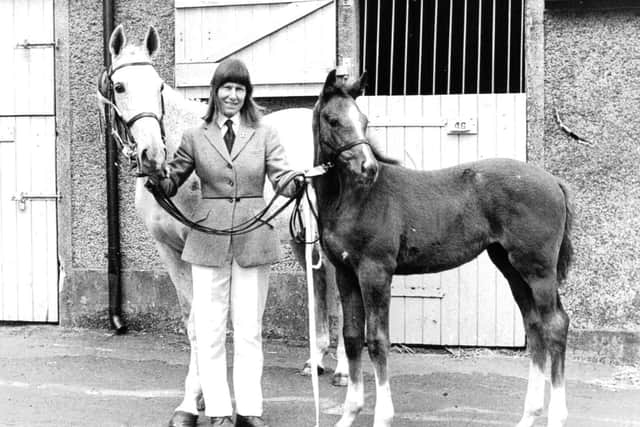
column 472, row 304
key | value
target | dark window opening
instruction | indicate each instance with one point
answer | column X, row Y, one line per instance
column 434, row 47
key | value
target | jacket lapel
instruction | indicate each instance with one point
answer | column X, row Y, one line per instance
column 242, row 139
column 213, row 134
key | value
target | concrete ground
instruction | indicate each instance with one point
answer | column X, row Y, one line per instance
column 52, row 376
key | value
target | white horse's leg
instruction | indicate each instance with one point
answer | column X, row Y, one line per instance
column 180, row 274
column 534, row 400
column 323, row 337
column 341, row 374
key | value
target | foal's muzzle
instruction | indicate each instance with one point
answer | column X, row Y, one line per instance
column 364, row 166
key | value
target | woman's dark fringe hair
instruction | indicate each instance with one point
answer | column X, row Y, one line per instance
column 234, row 70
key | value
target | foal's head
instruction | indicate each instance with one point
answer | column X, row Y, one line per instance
column 137, row 93
column 340, row 129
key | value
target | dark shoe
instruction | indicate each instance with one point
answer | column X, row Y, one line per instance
column 250, row 421
column 221, row 422
column 183, row 419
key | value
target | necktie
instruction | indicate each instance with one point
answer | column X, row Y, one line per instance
column 229, row 136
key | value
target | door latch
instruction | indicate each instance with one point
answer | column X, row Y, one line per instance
column 22, row 198
column 26, row 44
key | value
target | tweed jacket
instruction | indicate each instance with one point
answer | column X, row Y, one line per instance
column 232, row 191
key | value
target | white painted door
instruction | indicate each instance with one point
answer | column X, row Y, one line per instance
column 470, row 305
column 28, row 240
column 288, row 45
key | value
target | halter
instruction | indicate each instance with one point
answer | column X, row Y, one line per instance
column 121, row 128
column 337, row 151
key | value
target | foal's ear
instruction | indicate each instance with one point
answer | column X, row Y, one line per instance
column 329, row 84
column 117, row 41
column 357, row 88
column 151, row 41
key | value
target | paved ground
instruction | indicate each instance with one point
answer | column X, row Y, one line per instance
column 51, row 376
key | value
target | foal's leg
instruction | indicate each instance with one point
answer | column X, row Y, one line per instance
column 376, row 293
column 534, row 400
column 353, row 331
column 546, row 325
column 549, row 324
column 556, row 336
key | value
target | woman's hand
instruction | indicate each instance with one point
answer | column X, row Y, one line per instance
column 154, row 180
column 299, row 182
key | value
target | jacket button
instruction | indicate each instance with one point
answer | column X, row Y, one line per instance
column 229, row 166
column 230, row 199
column 231, row 183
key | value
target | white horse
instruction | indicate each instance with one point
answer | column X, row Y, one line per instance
column 148, row 107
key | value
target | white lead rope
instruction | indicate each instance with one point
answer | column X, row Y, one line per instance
column 310, row 235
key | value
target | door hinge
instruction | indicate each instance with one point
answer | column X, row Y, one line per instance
column 22, row 198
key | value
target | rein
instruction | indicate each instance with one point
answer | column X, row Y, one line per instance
column 260, row 219
column 296, row 223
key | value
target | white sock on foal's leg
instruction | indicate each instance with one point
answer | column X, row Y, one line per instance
column 557, row 406
column 354, row 400
column 534, row 401
column 384, row 405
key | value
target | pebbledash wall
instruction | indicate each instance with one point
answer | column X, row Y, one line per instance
column 583, row 63
column 592, row 81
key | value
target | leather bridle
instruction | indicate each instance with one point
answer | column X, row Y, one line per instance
column 120, row 127
column 337, row 151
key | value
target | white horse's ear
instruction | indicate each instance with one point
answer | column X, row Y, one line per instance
column 117, row 41
column 151, row 41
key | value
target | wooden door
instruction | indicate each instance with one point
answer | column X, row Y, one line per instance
column 28, row 229
column 288, row 46
column 470, row 305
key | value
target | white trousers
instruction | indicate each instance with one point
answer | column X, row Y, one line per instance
column 215, row 291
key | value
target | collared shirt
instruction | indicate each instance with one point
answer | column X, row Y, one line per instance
column 221, row 120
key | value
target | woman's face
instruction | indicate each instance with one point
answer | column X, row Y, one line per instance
column 231, row 98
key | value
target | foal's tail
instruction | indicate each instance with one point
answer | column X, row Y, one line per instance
column 565, row 256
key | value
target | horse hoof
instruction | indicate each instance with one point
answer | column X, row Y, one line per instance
column 306, row 370
column 340, row 380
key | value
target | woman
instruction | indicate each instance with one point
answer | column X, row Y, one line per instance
column 231, row 152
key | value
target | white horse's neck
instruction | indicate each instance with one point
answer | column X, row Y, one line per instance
column 180, row 114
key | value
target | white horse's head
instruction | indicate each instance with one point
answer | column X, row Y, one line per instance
column 136, row 90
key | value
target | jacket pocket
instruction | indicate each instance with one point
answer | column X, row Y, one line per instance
column 201, row 212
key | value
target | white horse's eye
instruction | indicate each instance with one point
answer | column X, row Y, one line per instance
column 118, row 87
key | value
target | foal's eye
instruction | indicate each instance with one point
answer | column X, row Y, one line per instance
column 118, row 87
column 333, row 122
